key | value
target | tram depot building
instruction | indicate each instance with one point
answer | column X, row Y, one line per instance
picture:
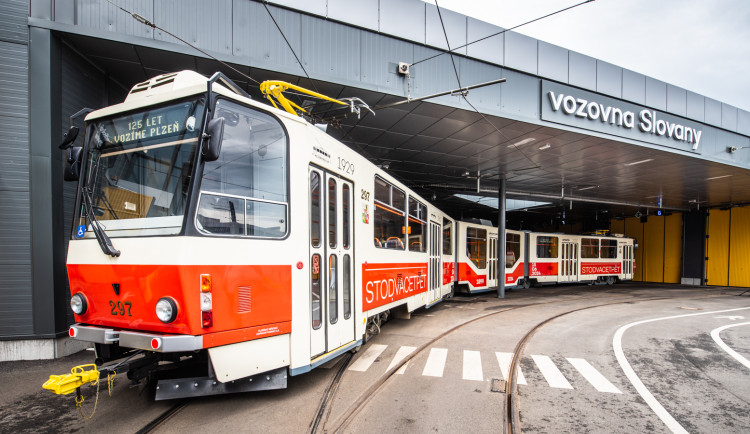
column 574, row 144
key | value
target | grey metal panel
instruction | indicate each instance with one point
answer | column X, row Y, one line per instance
column 15, row 230
column 362, row 13
column 608, row 79
column 257, row 39
column 553, row 62
column 633, row 86
column 405, row 19
column 455, row 28
column 327, row 49
column 728, row 117
column 14, row 15
column 656, row 93
column 516, row 94
column 713, row 112
column 65, row 11
column 490, row 49
column 582, row 72
column 743, row 122
column 486, row 99
column 520, row 52
column 433, row 76
column 316, row 7
column 695, row 106
column 101, row 15
column 42, row 9
column 676, row 100
column 207, row 25
column 380, row 57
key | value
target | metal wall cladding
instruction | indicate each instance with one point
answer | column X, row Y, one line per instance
column 203, row 24
column 102, row 15
column 743, row 122
column 404, row 19
column 656, row 93
column 330, row 51
column 315, row 7
column 608, row 79
column 520, row 52
column 14, row 15
column 453, row 25
column 633, row 86
column 15, row 232
column 582, row 70
column 257, row 38
column 360, row 13
column 491, row 49
column 713, row 112
column 728, row 117
column 696, row 106
column 486, row 99
column 515, row 96
column 379, row 62
column 676, row 100
column 553, row 62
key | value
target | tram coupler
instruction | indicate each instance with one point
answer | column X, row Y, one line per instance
column 68, row 383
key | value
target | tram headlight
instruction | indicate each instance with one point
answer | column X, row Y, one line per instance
column 166, row 310
column 78, row 304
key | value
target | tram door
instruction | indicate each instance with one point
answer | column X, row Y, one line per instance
column 331, row 261
column 436, row 261
column 627, row 256
column 569, row 262
column 492, row 262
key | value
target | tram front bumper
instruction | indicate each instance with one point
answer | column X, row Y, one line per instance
column 163, row 343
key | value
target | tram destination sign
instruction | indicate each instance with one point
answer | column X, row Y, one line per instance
column 574, row 107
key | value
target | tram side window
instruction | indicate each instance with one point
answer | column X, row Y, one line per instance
column 389, row 216
column 589, row 248
column 251, row 173
column 447, row 237
column 476, row 246
column 512, row 249
column 609, row 249
column 416, row 227
column 546, row 247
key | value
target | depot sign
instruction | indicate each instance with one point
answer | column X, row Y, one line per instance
column 569, row 106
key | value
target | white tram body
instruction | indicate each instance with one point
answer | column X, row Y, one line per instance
column 270, row 259
column 476, row 257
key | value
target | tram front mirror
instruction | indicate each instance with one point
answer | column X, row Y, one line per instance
column 212, row 139
column 69, row 137
column 73, row 163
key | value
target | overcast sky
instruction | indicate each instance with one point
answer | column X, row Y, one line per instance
column 700, row 45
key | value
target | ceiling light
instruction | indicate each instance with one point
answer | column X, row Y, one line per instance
column 718, row 177
column 522, row 142
column 587, row 188
column 546, row 146
column 639, row 162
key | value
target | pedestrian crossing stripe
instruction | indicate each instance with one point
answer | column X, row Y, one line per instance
column 472, row 367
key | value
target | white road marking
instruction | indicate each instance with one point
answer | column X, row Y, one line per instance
column 473, row 366
column 656, row 407
column 725, row 347
column 364, row 362
column 730, row 317
column 435, row 362
column 550, row 372
column 400, row 355
column 593, row 376
column 504, row 359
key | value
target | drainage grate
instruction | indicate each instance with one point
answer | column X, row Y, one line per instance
column 498, row 385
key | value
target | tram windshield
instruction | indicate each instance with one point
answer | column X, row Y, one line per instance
column 138, row 171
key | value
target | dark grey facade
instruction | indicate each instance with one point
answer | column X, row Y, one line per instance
column 62, row 55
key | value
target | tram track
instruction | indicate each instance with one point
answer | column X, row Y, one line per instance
column 164, row 417
column 511, row 408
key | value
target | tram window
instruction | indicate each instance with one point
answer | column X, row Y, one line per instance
column 589, row 248
column 331, row 213
column 315, row 291
column 315, row 209
column 252, row 163
column 347, row 287
column 609, row 249
column 221, row 215
column 476, row 246
column 416, row 226
column 546, row 247
column 447, row 237
column 345, row 200
column 333, row 286
column 264, row 219
column 389, row 230
column 512, row 249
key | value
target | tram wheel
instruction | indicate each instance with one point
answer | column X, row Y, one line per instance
column 610, row 280
column 525, row 284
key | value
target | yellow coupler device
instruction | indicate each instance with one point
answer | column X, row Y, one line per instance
column 69, row 383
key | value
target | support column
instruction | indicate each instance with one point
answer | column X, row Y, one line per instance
column 501, row 238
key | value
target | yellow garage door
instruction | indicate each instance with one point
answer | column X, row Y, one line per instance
column 653, row 249
column 673, row 248
column 717, row 248
column 739, row 247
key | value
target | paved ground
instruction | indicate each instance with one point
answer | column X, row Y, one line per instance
column 638, row 358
